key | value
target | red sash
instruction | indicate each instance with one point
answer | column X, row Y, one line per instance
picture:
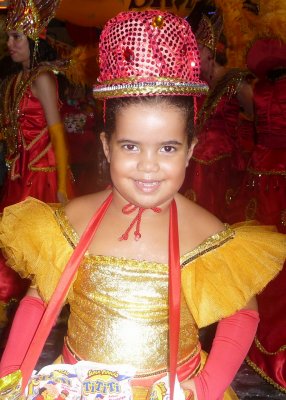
column 58, row 297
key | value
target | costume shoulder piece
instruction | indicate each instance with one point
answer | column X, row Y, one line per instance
column 227, row 86
column 33, row 243
column 221, row 275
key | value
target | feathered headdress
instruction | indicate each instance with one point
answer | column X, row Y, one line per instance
column 247, row 21
column 30, row 17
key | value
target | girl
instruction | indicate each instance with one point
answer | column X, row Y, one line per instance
column 121, row 312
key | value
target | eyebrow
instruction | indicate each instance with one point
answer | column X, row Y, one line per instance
column 167, row 143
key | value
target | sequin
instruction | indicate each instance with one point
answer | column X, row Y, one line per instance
column 158, row 21
column 128, row 54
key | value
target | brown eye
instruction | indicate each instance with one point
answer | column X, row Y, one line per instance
column 168, row 149
column 130, row 147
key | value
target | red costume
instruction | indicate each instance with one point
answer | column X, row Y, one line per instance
column 31, row 163
column 263, row 197
column 216, row 166
column 30, row 156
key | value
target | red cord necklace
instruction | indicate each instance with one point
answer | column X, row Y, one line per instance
column 130, row 208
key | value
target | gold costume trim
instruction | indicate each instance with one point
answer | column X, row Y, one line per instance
column 66, row 228
column 213, row 160
column 213, row 242
column 264, row 376
column 264, row 351
column 271, row 172
column 160, row 85
column 227, row 85
column 43, row 169
column 194, row 353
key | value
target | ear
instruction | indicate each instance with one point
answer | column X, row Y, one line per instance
column 105, row 145
column 191, row 150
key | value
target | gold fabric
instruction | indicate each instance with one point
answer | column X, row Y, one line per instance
column 34, row 249
column 221, row 275
column 119, row 308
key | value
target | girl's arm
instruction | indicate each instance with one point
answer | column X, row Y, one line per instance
column 233, row 338
column 45, row 89
column 25, row 323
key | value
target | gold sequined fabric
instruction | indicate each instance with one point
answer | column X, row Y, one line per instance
column 119, row 315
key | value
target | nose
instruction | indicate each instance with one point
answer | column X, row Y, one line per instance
column 148, row 162
column 9, row 42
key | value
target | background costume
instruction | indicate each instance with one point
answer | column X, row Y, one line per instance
column 263, row 197
column 224, row 135
column 215, row 169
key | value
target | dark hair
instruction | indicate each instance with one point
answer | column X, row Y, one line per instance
column 184, row 103
column 44, row 52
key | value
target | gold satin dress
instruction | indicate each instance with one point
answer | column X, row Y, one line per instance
column 119, row 307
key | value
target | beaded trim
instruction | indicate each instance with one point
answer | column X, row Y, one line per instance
column 271, row 172
column 160, row 86
column 264, row 351
column 264, row 376
column 43, row 169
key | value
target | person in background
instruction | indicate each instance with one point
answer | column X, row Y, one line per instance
column 30, row 124
column 262, row 197
column 218, row 162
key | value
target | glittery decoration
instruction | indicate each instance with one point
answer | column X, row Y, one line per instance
column 158, row 21
column 148, row 53
column 226, row 86
column 30, row 16
column 209, row 31
column 128, row 54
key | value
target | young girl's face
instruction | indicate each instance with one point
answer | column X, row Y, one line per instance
column 148, row 153
column 18, row 47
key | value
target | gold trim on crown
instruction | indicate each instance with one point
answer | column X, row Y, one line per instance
column 30, row 17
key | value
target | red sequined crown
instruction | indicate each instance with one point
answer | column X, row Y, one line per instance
column 148, row 53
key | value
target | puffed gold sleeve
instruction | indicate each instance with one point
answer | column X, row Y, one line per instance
column 225, row 271
column 34, row 245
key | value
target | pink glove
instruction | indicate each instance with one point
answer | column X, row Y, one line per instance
column 26, row 321
column 232, row 341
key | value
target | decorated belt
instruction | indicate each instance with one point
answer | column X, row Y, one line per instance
column 186, row 369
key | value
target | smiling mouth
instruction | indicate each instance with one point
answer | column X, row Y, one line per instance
column 147, row 186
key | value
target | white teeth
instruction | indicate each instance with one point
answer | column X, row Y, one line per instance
column 148, row 184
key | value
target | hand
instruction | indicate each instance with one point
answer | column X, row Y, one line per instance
column 189, row 384
column 62, row 197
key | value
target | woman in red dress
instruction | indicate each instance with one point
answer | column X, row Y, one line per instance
column 30, row 124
